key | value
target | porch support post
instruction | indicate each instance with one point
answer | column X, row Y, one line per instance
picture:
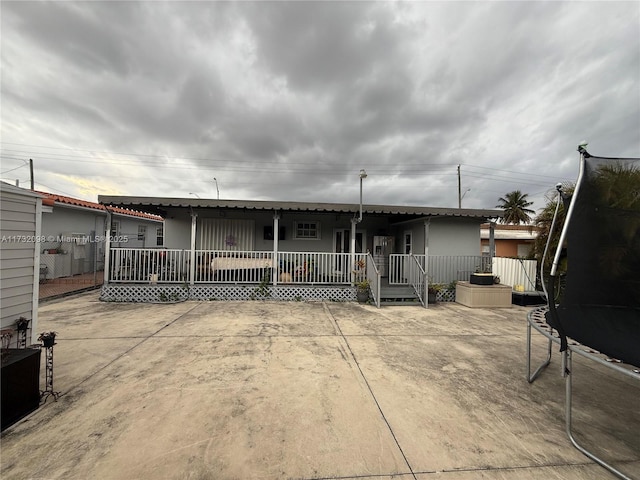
column 107, row 248
column 354, row 223
column 192, row 253
column 427, row 225
column 276, row 237
column 492, row 242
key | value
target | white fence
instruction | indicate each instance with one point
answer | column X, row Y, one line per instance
column 515, row 272
column 142, row 265
column 136, row 265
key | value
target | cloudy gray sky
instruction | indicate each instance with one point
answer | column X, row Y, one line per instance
column 289, row 100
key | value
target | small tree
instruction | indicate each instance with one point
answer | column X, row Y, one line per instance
column 515, row 208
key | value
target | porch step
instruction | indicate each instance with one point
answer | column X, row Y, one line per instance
column 398, row 295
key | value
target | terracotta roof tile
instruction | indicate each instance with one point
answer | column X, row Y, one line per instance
column 50, row 198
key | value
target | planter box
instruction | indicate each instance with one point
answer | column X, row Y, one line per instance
column 483, row 296
column 481, row 279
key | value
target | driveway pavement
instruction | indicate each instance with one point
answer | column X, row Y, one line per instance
column 268, row 390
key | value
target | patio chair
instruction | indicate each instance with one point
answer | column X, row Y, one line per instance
column 597, row 311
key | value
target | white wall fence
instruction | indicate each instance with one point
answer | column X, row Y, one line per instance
column 515, row 272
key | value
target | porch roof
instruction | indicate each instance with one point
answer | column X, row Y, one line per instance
column 158, row 205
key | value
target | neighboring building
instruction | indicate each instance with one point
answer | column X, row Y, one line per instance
column 74, row 231
column 19, row 259
column 510, row 240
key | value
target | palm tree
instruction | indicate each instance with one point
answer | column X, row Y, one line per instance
column 515, row 208
column 543, row 222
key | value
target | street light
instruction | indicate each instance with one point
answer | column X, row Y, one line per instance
column 197, row 196
column 363, row 175
column 217, row 190
column 465, row 192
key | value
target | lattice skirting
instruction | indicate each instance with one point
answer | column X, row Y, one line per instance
column 178, row 293
column 446, row 295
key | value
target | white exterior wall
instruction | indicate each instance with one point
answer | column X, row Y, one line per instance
column 20, row 212
column 60, row 220
column 129, row 229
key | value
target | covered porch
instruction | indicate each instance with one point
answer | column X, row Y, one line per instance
column 163, row 275
column 227, row 249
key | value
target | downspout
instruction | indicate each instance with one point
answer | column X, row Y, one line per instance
column 192, row 253
column 354, row 222
column 276, row 237
column 492, row 242
column 427, row 225
column 107, row 247
column 36, row 273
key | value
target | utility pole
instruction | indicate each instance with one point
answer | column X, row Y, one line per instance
column 459, row 190
column 31, row 172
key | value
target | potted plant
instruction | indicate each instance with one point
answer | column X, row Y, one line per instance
column 362, row 290
column 432, row 292
column 22, row 324
column 48, row 339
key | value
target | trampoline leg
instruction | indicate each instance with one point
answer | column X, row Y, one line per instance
column 566, row 357
column 531, row 377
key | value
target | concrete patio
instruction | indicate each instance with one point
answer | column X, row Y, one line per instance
column 266, row 390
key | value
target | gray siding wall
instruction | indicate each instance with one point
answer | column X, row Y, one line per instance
column 448, row 236
column 18, row 217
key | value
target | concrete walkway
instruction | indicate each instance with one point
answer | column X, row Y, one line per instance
column 265, row 390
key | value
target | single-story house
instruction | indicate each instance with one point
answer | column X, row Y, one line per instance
column 214, row 247
column 73, row 232
column 20, row 228
column 510, row 240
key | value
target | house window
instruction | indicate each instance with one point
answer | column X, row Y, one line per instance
column 115, row 228
column 142, row 232
column 159, row 236
column 307, row 230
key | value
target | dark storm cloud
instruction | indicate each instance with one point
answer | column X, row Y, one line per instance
column 288, row 100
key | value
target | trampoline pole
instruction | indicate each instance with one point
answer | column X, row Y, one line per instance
column 567, row 372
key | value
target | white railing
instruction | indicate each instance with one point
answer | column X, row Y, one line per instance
column 373, row 275
column 146, row 265
column 417, row 278
column 319, row 268
column 140, row 265
column 440, row 268
column 231, row 266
